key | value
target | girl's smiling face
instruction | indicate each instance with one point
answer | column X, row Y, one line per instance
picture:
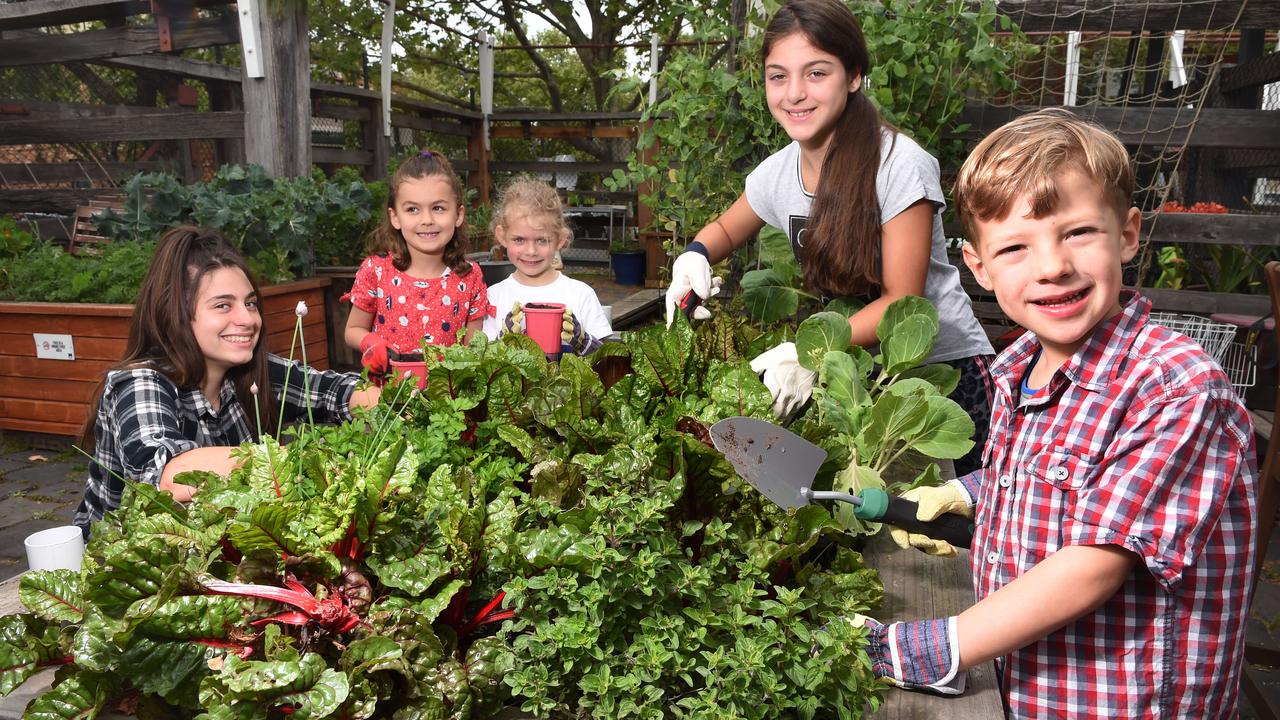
column 225, row 320
column 426, row 213
column 806, row 89
column 531, row 241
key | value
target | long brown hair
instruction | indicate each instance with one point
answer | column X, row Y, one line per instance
column 389, row 240
column 841, row 253
column 160, row 335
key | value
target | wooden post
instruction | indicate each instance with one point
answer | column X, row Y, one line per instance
column 277, row 106
column 655, row 257
column 476, row 151
column 376, row 141
column 227, row 96
column 1236, row 185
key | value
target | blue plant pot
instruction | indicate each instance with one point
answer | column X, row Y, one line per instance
column 628, row 267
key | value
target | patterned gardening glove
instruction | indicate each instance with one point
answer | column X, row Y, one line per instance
column 514, row 321
column 575, row 337
column 919, row 655
column 373, row 354
column 931, row 503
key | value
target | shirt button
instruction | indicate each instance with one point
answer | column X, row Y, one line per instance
column 1060, row 473
column 1005, row 481
column 992, row 557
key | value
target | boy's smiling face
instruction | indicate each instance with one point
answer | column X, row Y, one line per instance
column 1058, row 275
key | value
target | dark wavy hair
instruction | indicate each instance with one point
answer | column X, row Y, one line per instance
column 387, row 239
column 841, row 255
column 160, row 335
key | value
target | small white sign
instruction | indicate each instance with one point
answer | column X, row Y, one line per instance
column 54, row 347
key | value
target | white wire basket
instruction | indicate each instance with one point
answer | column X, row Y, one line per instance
column 1238, row 360
column 1240, row 363
column 1215, row 337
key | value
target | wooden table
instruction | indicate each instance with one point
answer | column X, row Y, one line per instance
column 916, row 587
column 920, row 587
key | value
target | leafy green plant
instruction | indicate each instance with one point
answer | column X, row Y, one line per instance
column 13, row 240
column 559, row 537
column 775, row 292
column 14, row 243
column 349, row 208
column 46, row 273
column 273, row 221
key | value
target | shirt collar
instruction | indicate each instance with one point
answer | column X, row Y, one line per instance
column 1094, row 364
column 195, row 399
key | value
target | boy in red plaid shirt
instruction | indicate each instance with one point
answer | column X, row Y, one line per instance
column 1115, row 515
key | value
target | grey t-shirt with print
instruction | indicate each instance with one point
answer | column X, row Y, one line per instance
column 907, row 174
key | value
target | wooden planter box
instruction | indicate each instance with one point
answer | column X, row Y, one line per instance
column 54, row 396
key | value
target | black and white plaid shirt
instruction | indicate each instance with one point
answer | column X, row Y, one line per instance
column 144, row 420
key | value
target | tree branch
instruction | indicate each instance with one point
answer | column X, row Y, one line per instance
column 434, row 95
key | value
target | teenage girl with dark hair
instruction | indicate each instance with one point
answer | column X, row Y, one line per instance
column 183, row 397
column 417, row 285
column 860, row 201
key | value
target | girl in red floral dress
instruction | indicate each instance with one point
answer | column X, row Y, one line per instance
column 417, row 287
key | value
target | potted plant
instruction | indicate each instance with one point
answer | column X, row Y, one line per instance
column 627, row 259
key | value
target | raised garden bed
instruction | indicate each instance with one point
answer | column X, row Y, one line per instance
column 54, row 396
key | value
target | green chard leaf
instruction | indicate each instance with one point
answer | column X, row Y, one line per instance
column 79, row 697
column 53, row 594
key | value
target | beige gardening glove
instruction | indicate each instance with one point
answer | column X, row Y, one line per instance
column 514, row 321
column 572, row 334
column 931, row 502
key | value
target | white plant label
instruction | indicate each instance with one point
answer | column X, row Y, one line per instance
column 54, row 347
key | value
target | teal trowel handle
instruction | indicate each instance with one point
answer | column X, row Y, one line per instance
column 879, row 506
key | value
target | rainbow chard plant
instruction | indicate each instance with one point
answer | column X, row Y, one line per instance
column 556, row 539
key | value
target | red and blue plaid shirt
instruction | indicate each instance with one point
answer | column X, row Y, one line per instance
column 1138, row 441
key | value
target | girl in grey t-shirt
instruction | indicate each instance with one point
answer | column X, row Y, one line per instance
column 861, row 203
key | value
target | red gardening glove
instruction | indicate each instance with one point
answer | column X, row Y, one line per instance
column 373, row 354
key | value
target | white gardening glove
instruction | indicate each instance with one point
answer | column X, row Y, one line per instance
column 931, row 502
column 788, row 382
column 691, row 272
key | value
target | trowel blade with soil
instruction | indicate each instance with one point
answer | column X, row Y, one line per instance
column 776, row 461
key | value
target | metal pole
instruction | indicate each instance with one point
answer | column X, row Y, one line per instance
column 653, row 69
column 486, row 82
column 388, row 43
column 1073, row 68
column 250, row 40
column 1177, row 66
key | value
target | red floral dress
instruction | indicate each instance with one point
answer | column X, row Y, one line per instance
column 408, row 310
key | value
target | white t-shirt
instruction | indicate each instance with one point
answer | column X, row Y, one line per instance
column 908, row 174
column 576, row 295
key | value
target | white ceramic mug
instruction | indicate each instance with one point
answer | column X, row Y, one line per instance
column 59, row 548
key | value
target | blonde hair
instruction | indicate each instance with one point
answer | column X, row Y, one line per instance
column 525, row 196
column 1027, row 155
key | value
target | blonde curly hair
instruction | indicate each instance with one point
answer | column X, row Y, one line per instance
column 526, row 196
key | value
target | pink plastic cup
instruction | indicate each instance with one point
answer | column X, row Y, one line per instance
column 404, row 369
column 544, row 322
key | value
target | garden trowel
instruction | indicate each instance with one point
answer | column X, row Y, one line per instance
column 782, row 465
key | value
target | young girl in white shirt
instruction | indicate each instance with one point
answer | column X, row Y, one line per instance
column 530, row 225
